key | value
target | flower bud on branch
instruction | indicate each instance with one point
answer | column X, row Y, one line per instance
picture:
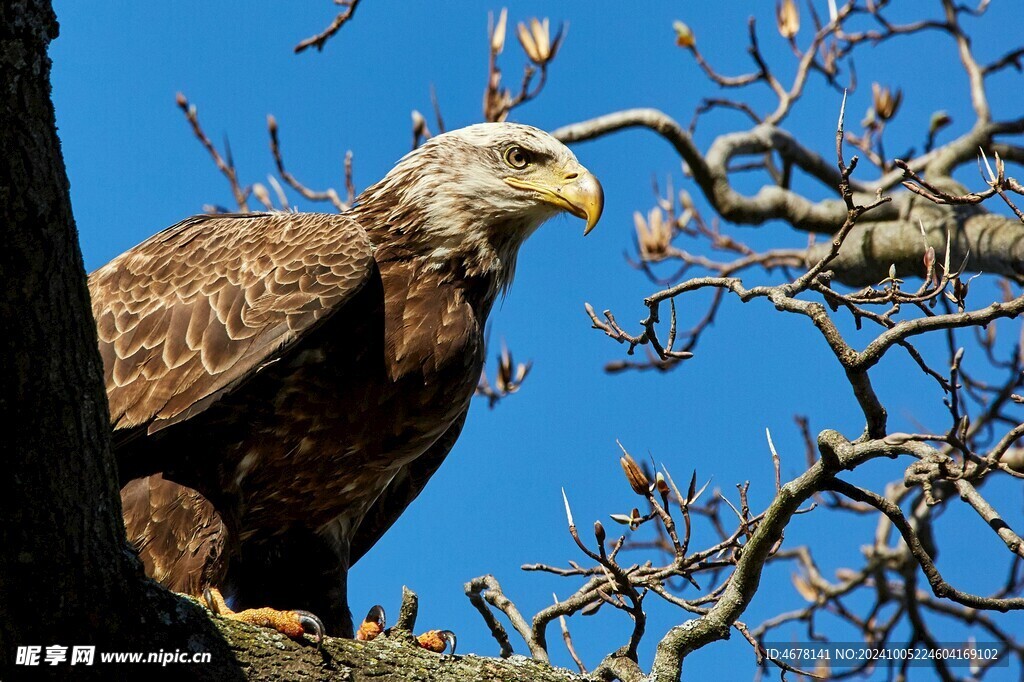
column 634, row 474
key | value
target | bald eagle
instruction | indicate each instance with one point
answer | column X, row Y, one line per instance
column 283, row 385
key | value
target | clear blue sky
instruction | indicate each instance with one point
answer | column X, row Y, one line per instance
column 135, row 168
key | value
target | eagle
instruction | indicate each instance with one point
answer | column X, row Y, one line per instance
column 282, row 385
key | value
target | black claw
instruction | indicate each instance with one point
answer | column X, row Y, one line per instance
column 210, row 603
column 376, row 615
column 312, row 625
column 449, row 637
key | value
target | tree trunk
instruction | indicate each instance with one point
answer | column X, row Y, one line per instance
column 67, row 576
column 63, row 558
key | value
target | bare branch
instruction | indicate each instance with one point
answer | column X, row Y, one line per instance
column 320, row 39
column 227, row 167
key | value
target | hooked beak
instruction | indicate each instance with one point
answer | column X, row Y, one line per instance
column 579, row 193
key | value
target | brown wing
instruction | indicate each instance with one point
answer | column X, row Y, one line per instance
column 403, row 489
column 190, row 313
column 178, row 534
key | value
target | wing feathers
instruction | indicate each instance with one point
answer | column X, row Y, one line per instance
column 178, row 534
column 201, row 317
column 176, row 351
column 191, row 312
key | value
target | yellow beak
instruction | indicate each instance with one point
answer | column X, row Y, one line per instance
column 579, row 193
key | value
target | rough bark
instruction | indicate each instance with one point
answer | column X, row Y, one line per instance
column 980, row 240
column 266, row 655
column 62, row 540
column 66, row 575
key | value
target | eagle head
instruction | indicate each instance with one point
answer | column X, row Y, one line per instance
column 469, row 198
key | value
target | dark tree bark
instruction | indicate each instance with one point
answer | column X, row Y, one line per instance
column 62, row 542
column 66, row 574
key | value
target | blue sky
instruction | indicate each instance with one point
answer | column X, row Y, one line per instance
column 135, row 168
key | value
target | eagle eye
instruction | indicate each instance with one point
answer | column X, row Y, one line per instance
column 518, row 158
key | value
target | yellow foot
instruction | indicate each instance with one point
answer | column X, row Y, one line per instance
column 437, row 640
column 291, row 623
column 375, row 624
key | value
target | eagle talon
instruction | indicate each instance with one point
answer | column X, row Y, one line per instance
column 213, row 603
column 450, row 639
column 373, row 625
column 311, row 625
column 437, row 641
column 294, row 624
